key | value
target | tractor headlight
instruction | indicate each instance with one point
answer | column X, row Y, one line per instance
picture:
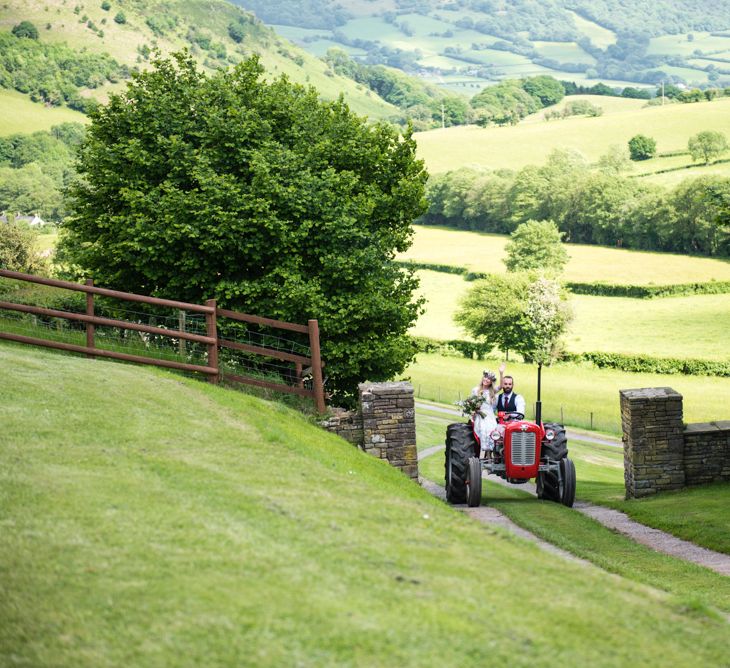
column 496, row 435
column 549, row 434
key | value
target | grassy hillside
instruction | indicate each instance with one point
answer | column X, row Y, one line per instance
column 150, row 521
column 19, row 114
column 530, row 143
column 58, row 21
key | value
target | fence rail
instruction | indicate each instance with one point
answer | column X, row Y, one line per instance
column 211, row 340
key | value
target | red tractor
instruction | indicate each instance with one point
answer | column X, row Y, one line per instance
column 522, row 450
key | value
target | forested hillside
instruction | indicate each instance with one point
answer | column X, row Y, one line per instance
column 467, row 43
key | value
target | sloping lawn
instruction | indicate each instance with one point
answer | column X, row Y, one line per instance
column 150, row 520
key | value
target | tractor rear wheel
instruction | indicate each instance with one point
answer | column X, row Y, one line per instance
column 558, row 447
column 460, row 446
column 567, row 482
column 474, row 483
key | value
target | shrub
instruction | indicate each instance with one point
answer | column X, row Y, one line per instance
column 18, row 249
column 106, row 5
column 120, row 18
column 642, row 147
column 25, row 29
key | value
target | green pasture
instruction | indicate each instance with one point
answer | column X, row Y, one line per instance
column 679, row 45
column 564, row 52
column 19, row 115
column 530, row 143
column 600, row 36
column 484, row 253
column 150, row 520
column 697, row 326
column 583, row 392
column 701, row 588
column 690, row 75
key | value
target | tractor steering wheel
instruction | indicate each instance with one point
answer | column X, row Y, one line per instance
column 514, row 416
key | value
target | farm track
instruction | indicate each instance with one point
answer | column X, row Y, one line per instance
column 657, row 540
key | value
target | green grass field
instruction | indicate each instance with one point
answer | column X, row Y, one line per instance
column 579, row 390
column 530, row 143
column 484, row 252
column 564, row 52
column 19, row 115
column 149, row 520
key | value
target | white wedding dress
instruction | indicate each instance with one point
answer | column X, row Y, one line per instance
column 485, row 422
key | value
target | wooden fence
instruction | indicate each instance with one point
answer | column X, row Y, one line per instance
column 211, row 339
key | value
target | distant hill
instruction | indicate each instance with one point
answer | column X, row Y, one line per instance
column 465, row 44
column 218, row 33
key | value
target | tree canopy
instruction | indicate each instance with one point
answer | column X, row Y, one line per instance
column 707, row 145
column 536, row 245
column 523, row 312
column 261, row 196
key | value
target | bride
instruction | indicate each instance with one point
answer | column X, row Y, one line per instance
column 484, row 420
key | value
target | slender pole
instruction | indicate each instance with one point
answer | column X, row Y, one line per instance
column 300, row 381
column 90, row 311
column 538, row 403
column 212, row 331
column 317, row 383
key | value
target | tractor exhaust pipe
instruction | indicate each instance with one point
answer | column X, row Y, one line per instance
column 538, row 403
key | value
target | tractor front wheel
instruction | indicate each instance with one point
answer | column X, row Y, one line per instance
column 474, row 483
column 567, row 482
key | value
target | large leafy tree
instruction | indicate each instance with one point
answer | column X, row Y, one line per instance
column 259, row 195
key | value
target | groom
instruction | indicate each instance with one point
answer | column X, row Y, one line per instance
column 509, row 401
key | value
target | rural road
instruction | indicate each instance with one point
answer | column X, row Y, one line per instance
column 615, row 520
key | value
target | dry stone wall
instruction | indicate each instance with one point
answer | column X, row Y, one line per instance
column 660, row 452
column 384, row 424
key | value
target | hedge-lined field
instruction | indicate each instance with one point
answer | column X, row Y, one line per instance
column 694, row 327
column 484, row 253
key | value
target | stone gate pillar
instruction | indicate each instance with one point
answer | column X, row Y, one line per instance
column 389, row 424
column 653, row 437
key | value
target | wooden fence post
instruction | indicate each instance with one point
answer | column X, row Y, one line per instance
column 317, row 384
column 212, row 331
column 89, row 326
column 182, row 344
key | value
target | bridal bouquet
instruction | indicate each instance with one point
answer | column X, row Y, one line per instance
column 471, row 404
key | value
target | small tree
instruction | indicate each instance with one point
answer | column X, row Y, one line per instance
column 547, row 315
column 536, row 245
column 707, row 145
column 642, row 147
column 25, row 29
column 517, row 312
column 106, row 5
column 120, row 18
column 492, row 311
column 615, row 161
